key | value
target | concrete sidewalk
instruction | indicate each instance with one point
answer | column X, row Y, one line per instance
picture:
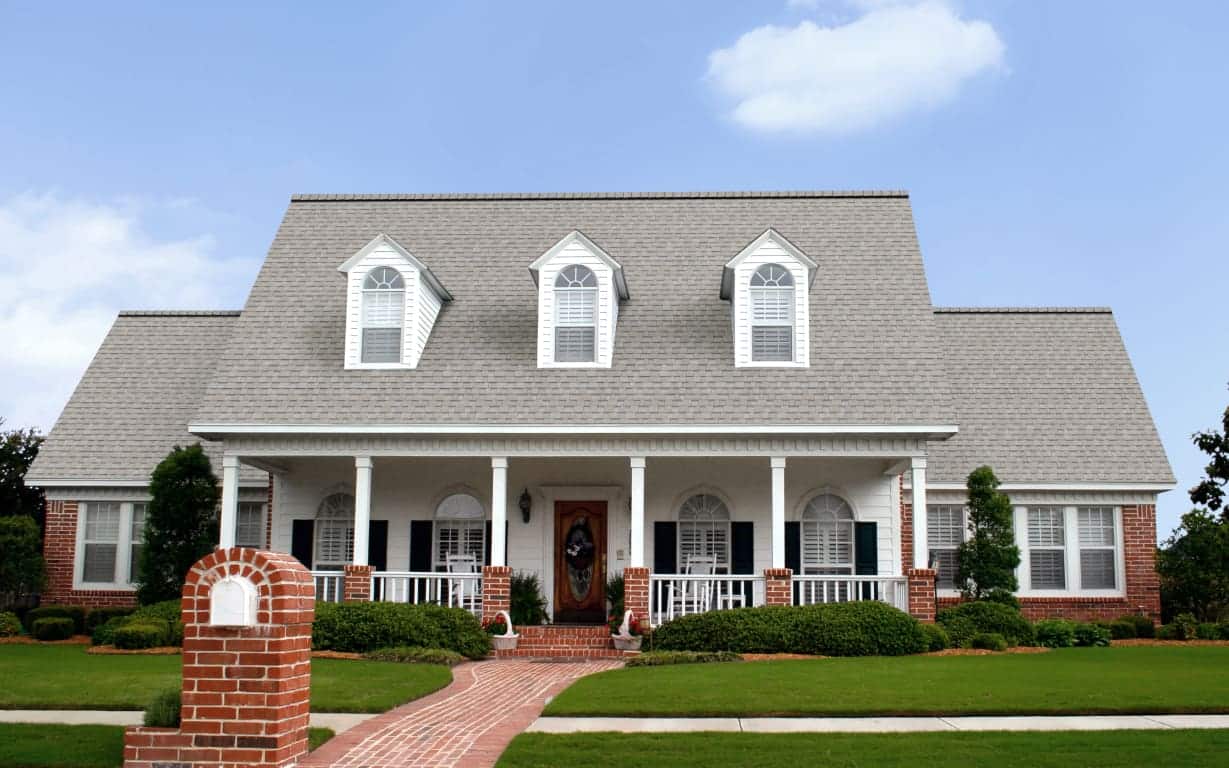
column 338, row 722
column 873, row 724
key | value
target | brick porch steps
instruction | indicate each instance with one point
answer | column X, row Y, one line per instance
column 564, row 642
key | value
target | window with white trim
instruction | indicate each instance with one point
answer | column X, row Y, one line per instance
column 136, row 539
column 250, row 524
column 1047, row 548
column 575, row 315
column 945, row 529
column 827, row 535
column 460, row 532
column 772, row 314
column 110, row 537
column 102, row 527
column 383, row 315
column 704, row 531
column 334, row 532
column 1098, row 548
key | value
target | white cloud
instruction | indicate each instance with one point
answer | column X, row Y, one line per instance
column 66, row 268
column 894, row 59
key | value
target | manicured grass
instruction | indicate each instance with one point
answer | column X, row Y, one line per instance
column 1103, row 749
column 78, row 746
column 1075, row 680
column 66, row 677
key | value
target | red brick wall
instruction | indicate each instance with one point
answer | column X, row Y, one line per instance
column 356, row 583
column 636, row 593
column 778, row 586
column 496, row 590
column 60, row 553
column 922, row 603
column 906, row 530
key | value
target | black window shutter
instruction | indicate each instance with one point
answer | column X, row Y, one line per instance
column 742, row 549
column 377, row 544
column 793, row 546
column 866, row 555
column 420, row 545
column 302, row 537
column 665, row 547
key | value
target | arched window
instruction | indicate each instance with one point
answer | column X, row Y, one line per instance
column 383, row 315
column 772, row 314
column 575, row 315
column 704, row 532
column 827, row 535
column 460, row 533
column 335, row 532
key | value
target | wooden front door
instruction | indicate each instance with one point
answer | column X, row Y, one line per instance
column 580, row 562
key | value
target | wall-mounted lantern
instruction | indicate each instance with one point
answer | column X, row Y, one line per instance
column 526, row 505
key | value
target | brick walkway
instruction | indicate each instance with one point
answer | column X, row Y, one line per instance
column 468, row 724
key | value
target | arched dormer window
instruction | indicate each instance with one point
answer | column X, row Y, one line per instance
column 772, row 314
column 460, row 534
column 334, row 532
column 827, row 535
column 704, row 533
column 575, row 315
column 383, row 315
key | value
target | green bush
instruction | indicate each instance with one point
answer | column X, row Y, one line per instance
column 989, row 641
column 1143, row 625
column 167, row 610
column 1168, row 632
column 10, row 625
column 74, row 612
column 416, row 655
column 1055, row 633
column 138, row 635
column 1090, row 635
column 1122, row 630
column 99, row 616
column 53, row 628
column 104, row 634
column 1185, row 626
column 23, row 573
column 1207, row 631
column 965, row 620
column 526, row 604
column 666, row 658
column 837, row 629
column 363, row 627
column 163, row 710
column 614, row 595
column 1224, row 630
column 936, row 637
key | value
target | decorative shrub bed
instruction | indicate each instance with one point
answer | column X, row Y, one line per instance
column 936, row 637
column 144, row 633
column 1143, row 625
column 53, row 628
column 966, row 620
column 74, row 612
column 99, row 616
column 989, row 641
column 666, row 658
column 10, row 625
column 416, row 655
column 836, row 629
column 363, row 627
column 150, row 626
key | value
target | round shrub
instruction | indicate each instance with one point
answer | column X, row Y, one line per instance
column 75, row 613
column 1224, row 630
column 53, row 628
column 936, row 637
column 167, row 610
column 1122, row 630
column 104, row 634
column 415, row 655
column 1143, row 625
column 10, row 625
column 138, row 635
column 1090, row 635
column 163, row 710
column 1055, row 633
column 1207, row 631
column 1185, row 626
column 964, row 621
column 363, row 627
column 1168, row 632
column 989, row 641
column 99, row 616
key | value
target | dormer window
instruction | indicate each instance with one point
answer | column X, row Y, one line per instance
column 772, row 314
column 768, row 286
column 383, row 315
column 575, row 315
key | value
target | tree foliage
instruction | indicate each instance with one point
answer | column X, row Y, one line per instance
column 1194, row 567
column 1211, row 490
column 181, row 523
column 18, row 447
column 987, row 560
column 22, row 572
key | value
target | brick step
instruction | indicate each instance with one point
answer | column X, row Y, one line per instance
column 564, row 641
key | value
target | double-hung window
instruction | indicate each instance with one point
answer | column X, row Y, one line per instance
column 1047, row 544
column 460, row 533
column 944, row 533
column 112, row 534
column 772, row 314
column 827, row 535
column 1098, row 548
column 383, row 315
column 335, row 532
column 575, row 315
column 250, row 524
column 704, row 535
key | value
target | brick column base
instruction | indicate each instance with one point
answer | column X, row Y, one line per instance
column 922, row 593
column 496, row 590
column 636, row 593
column 778, row 586
column 356, row 584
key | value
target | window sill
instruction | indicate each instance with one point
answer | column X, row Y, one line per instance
column 1079, row 594
column 379, row 367
column 103, row 587
column 572, row 365
column 776, row 364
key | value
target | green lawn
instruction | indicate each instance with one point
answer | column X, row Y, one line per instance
column 78, row 746
column 66, row 677
column 1102, row 749
column 1076, row 680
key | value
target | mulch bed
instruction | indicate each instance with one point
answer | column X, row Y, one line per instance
column 111, row 650
column 1153, row 641
column 336, row 655
column 27, row 640
column 984, row 652
column 777, row 656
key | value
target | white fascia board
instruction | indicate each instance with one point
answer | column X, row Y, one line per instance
column 71, row 483
column 576, row 236
column 933, row 431
column 727, row 274
column 1137, row 487
column 383, row 239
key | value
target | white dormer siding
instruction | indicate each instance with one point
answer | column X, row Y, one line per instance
column 769, row 249
column 423, row 298
column 578, row 250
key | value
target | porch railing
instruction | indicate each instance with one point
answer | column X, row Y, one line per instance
column 812, row 589
column 456, row 590
column 329, row 586
column 675, row 595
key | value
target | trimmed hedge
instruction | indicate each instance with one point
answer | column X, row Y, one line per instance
column 1091, row 635
column 837, row 629
column 667, row 658
column 99, row 616
column 53, row 628
column 966, row 620
column 1207, row 631
column 416, row 655
column 363, row 627
column 936, row 637
column 74, row 612
column 137, row 635
column 989, row 641
column 1121, row 630
column 10, row 625
column 1055, row 633
column 1143, row 625
column 104, row 634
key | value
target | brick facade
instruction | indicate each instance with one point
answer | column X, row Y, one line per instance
column 778, row 586
column 496, row 590
column 246, row 690
column 60, row 553
column 922, row 603
column 636, row 592
column 356, row 583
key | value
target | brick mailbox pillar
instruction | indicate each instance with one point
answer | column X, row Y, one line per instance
column 496, row 590
column 247, row 618
column 636, row 593
column 922, row 593
column 356, row 582
column 778, row 586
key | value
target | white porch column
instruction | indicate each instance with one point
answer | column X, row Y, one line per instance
column 499, row 512
column 921, row 551
column 230, row 501
column 778, row 511
column 637, row 560
column 362, row 508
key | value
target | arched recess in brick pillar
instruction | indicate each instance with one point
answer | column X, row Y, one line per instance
column 246, row 666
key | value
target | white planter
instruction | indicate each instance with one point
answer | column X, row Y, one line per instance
column 504, row 642
column 626, row 643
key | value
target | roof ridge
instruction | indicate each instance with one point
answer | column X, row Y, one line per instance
column 405, row 196
column 180, row 312
column 1023, row 311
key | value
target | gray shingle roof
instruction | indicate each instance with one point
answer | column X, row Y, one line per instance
column 874, row 353
column 133, row 403
column 1044, row 395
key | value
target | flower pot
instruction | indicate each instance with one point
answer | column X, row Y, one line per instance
column 626, row 643
column 504, row 642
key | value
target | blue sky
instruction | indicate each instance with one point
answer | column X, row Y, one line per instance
column 1057, row 153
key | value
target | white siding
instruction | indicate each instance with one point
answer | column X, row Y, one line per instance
column 421, row 308
column 607, row 306
column 770, row 252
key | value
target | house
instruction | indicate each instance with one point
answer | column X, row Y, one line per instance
column 730, row 398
